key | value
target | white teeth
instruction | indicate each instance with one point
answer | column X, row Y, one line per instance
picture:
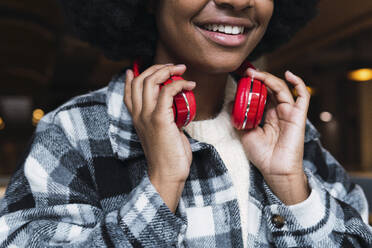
column 228, row 29
column 236, row 30
column 225, row 29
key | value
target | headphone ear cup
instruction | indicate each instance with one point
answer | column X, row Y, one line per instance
column 184, row 103
column 249, row 104
column 261, row 105
column 254, row 97
column 184, row 106
column 241, row 102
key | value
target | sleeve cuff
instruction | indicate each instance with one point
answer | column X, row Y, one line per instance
column 145, row 213
column 303, row 216
column 311, row 211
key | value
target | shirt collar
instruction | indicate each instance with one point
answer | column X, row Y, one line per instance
column 123, row 137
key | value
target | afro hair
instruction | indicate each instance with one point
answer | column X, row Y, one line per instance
column 123, row 30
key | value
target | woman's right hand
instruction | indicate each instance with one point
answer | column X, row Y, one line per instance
column 166, row 147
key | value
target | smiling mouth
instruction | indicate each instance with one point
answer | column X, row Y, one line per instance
column 226, row 35
column 224, row 29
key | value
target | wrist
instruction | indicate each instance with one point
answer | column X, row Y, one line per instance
column 290, row 189
column 169, row 191
column 166, row 171
column 162, row 175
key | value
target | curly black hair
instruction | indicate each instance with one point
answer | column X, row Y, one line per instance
column 123, row 30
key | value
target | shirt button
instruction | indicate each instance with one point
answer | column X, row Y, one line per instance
column 278, row 221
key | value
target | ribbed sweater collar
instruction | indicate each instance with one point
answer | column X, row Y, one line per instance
column 219, row 128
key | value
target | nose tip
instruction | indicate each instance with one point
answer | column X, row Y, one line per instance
column 234, row 4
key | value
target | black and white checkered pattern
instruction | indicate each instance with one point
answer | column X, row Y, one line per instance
column 84, row 183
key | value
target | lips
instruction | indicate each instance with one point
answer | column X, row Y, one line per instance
column 224, row 39
column 225, row 31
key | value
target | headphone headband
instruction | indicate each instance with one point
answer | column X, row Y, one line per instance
column 243, row 67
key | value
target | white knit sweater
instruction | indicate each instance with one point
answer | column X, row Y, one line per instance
column 220, row 133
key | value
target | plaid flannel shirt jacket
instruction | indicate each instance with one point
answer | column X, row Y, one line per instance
column 83, row 183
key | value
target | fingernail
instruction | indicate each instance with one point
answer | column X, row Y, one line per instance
column 192, row 83
column 251, row 71
column 290, row 73
column 180, row 65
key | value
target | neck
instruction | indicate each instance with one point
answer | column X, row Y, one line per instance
column 209, row 91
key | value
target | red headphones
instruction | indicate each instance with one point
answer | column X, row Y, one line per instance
column 249, row 103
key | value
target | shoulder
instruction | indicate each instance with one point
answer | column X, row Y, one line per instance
column 325, row 169
column 84, row 118
column 76, row 115
column 311, row 133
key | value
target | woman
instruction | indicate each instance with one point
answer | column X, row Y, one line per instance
column 103, row 171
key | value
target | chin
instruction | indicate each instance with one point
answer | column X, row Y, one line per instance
column 227, row 63
column 221, row 63
column 226, row 66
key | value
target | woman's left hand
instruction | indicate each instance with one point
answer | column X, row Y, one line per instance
column 276, row 149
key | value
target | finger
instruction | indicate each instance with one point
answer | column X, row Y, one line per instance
column 137, row 88
column 128, row 89
column 150, row 71
column 271, row 115
column 278, row 86
column 165, row 101
column 303, row 97
column 151, row 86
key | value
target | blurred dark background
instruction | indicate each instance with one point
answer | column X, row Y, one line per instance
column 42, row 65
